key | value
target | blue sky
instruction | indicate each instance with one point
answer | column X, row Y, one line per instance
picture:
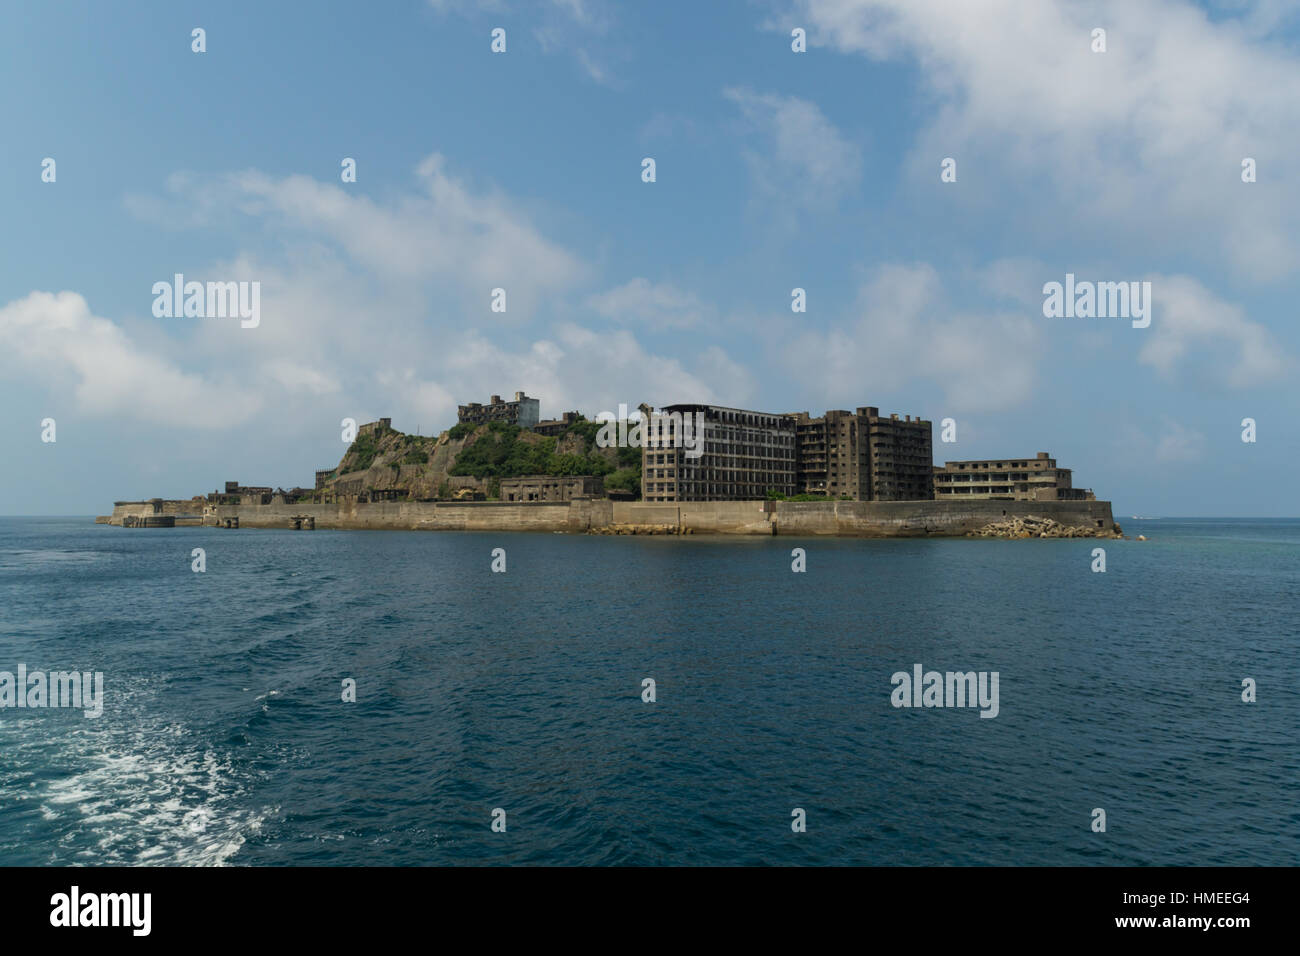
column 775, row 170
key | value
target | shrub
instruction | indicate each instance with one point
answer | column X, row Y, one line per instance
column 361, row 453
column 625, row 479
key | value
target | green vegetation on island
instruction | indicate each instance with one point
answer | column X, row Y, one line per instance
column 509, row 451
column 383, row 459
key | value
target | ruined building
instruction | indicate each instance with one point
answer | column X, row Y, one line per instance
column 523, row 411
column 860, row 455
column 552, row 487
column 864, row 456
column 1028, row 479
column 558, row 426
column 745, row 455
column 901, row 457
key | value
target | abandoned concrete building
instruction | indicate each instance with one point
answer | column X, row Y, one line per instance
column 1026, row 479
column 551, row 487
column 860, row 455
column 557, row 426
column 901, row 456
column 745, row 454
column 523, row 411
column 235, row 488
column 235, row 491
column 864, row 456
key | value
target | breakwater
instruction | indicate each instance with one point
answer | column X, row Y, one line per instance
column 871, row 519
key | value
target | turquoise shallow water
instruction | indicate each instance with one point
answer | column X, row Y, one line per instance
column 224, row 739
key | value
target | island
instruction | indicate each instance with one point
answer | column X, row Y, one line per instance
column 681, row 470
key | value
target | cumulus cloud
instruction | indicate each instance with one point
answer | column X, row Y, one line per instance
column 906, row 328
column 1168, row 443
column 1142, row 141
column 576, row 369
column 55, row 339
column 1187, row 318
column 363, row 304
column 806, row 159
column 561, row 26
column 478, row 241
column 659, row 305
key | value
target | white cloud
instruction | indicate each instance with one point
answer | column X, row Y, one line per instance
column 55, row 340
column 658, row 305
column 1171, row 443
column 616, row 367
column 1142, row 141
column 362, row 306
column 809, row 160
column 1017, row 280
column 480, row 241
column 472, row 241
column 562, row 26
column 578, row 369
column 1187, row 317
column 906, row 329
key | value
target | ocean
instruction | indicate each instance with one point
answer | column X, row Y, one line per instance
column 225, row 739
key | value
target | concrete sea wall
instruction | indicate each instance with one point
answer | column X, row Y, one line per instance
column 889, row 519
column 871, row 519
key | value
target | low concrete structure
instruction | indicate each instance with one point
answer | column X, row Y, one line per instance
column 551, row 487
column 1007, row 479
column 157, row 513
column 558, row 426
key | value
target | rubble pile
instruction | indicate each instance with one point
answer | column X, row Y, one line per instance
column 1032, row 526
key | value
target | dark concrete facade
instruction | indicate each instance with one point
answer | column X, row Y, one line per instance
column 744, row 455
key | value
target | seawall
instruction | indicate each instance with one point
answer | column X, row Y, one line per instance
column 868, row 519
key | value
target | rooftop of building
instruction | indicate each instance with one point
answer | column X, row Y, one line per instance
column 684, row 406
column 1001, row 462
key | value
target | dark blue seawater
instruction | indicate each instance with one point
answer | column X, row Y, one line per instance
column 224, row 738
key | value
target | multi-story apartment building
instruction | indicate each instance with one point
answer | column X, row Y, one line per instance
column 523, row 411
column 902, row 457
column 832, row 454
column 746, row 454
column 743, row 455
column 864, row 456
column 1026, row 479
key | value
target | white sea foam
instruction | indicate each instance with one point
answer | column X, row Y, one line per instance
column 147, row 794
